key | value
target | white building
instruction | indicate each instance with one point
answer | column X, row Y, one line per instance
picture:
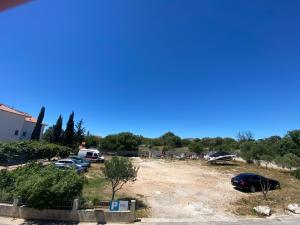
column 16, row 125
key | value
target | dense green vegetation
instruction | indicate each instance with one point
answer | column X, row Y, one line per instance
column 23, row 151
column 41, row 186
column 122, row 141
column 71, row 137
column 92, row 141
column 283, row 151
column 296, row 174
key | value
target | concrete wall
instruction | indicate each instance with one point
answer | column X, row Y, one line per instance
column 90, row 215
column 9, row 123
column 28, row 129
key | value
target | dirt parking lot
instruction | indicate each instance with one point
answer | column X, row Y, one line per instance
column 184, row 189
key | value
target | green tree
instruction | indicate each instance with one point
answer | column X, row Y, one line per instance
column 57, row 130
column 251, row 151
column 92, row 141
column 245, row 136
column 289, row 161
column 170, row 139
column 36, row 133
column 80, row 132
column 197, row 147
column 119, row 171
column 69, row 134
column 294, row 136
column 48, row 135
column 122, row 141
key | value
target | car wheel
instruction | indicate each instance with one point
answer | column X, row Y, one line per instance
column 252, row 189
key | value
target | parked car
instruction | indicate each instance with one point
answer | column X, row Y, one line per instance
column 81, row 161
column 93, row 155
column 253, row 182
column 69, row 163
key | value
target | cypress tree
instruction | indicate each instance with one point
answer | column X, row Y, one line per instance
column 57, row 130
column 38, row 126
column 80, row 132
column 69, row 135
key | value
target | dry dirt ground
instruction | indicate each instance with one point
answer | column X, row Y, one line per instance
column 184, row 189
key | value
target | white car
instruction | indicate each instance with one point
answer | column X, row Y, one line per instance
column 92, row 155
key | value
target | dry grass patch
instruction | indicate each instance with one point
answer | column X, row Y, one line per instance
column 98, row 188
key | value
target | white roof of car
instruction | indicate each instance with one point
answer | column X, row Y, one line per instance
column 89, row 149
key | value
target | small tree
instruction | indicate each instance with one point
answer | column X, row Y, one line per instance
column 119, row 171
column 80, row 132
column 265, row 187
column 38, row 126
column 245, row 136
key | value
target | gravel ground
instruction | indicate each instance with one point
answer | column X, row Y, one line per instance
column 184, row 189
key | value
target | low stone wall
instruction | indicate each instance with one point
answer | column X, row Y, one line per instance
column 90, row 215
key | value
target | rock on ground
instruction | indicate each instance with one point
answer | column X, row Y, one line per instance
column 264, row 210
column 295, row 208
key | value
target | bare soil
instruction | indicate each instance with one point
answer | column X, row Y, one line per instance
column 184, row 189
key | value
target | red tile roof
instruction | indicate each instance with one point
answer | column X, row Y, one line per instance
column 28, row 117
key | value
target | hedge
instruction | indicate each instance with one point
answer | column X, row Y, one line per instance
column 23, row 151
column 41, row 186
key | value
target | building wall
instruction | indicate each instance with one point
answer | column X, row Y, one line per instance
column 26, row 130
column 9, row 123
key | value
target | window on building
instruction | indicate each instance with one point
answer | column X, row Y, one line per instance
column 24, row 134
column 16, row 132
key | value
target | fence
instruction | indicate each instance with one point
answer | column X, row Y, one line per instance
column 6, row 198
column 62, row 204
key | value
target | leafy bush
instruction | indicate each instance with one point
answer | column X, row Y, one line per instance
column 6, row 180
column 289, row 161
column 120, row 142
column 197, row 147
column 24, row 151
column 42, row 187
column 296, row 174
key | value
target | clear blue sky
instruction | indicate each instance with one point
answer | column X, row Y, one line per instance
column 197, row 68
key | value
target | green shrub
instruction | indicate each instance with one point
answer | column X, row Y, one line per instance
column 42, row 187
column 296, row 173
column 24, row 151
column 6, row 180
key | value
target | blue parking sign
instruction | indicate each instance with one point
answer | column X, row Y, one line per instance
column 114, row 206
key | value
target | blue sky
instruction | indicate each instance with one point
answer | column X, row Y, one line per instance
column 197, row 68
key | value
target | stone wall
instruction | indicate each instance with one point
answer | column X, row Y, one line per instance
column 74, row 215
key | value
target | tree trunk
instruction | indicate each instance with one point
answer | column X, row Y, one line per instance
column 113, row 194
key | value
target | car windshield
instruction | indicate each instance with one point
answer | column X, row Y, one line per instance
column 219, row 154
column 78, row 161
